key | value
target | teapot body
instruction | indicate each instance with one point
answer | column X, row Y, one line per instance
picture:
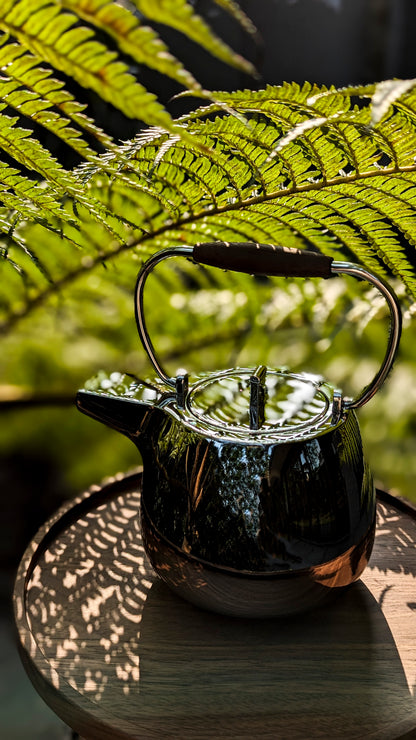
column 260, row 507
column 248, row 524
column 256, row 530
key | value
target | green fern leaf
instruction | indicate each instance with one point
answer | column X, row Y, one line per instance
column 180, row 15
column 30, row 199
column 47, row 101
column 140, row 42
column 341, row 186
column 18, row 143
column 236, row 12
column 55, row 37
column 29, row 152
column 29, row 104
column 52, row 32
column 309, row 168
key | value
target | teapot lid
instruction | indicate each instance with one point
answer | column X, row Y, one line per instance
column 259, row 406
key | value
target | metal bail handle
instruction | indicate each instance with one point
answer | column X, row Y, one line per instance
column 271, row 260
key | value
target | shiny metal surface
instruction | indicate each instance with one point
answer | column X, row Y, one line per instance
column 258, row 392
column 293, row 406
column 218, row 406
column 238, row 593
column 147, row 268
column 298, row 509
column 394, row 335
column 262, row 508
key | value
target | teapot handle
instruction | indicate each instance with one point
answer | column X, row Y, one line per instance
column 263, row 259
column 272, row 260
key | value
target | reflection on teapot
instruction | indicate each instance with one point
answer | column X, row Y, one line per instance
column 257, row 499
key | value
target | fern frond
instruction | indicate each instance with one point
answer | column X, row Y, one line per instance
column 18, row 143
column 236, row 12
column 37, row 266
column 53, row 31
column 140, row 42
column 29, row 198
column 55, row 36
column 32, row 90
column 341, row 186
column 43, row 203
column 180, row 15
column 383, row 95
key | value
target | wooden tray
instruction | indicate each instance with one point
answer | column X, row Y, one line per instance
column 117, row 656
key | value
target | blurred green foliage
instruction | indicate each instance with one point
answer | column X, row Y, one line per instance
column 336, row 328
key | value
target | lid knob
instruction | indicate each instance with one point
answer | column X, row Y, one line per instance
column 257, row 397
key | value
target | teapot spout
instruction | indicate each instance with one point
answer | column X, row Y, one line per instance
column 121, row 414
column 119, row 402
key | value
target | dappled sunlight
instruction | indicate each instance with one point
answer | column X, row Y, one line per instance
column 393, row 579
column 396, row 535
column 89, row 589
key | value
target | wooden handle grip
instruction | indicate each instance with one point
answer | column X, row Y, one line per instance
column 263, row 259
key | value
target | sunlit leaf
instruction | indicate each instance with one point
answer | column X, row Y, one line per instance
column 179, row 14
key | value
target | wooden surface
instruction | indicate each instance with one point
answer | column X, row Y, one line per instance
column 117, row 656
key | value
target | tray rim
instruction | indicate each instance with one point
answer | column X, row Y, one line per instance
column 43, row 676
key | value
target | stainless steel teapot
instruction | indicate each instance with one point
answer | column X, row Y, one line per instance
column 257, row 499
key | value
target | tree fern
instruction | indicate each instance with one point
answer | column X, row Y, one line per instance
column 341, row 185
column 140, row 42
column 54, row 36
